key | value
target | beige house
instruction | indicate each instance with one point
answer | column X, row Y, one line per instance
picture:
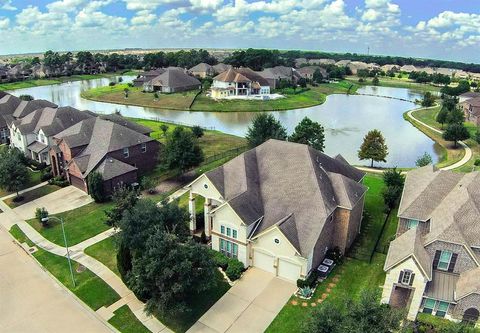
column 471, row 109
column 239, row 82
column 433, row 265
column 202, row 70
column 280, row 207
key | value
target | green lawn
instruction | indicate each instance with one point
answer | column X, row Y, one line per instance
column 80, row 224
column 125, row 321
column 357, row 275
column 115, row 94
column 375, row 213
column 311, row 97
column 105, row 252
column 389, row 232
column 199, row 202
column 33, row 179
column 20, row 236
column 89, row 288
column 56, row 80
column 396, row 83
column 32, row 195
column 199, row 304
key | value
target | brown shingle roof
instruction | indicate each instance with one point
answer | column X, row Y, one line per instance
column 231, row 75
column 468, row 283
column 175, row 78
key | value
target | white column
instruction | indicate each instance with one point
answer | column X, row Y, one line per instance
column 191, row 210
column 207, row 208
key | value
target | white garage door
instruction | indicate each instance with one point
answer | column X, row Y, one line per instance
column 263, row 261
column 288, row 270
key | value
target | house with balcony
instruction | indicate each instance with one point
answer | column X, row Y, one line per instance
column 433, row 265
column 280, row 207
column 239, row 82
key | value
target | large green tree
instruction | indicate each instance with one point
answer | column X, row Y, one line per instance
column 310, row 133
column 373, row 147
column 95, row 186
column 182, row 150
column 264, row 127
column 456, row 132
column 13, row 172
column 125, row 199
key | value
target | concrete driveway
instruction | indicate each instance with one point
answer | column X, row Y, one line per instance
column 249, row 306
column 67, row 198
column 31, row 301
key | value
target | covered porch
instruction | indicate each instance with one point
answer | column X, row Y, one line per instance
column 199, row 209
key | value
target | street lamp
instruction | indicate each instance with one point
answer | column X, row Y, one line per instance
column 46, row 219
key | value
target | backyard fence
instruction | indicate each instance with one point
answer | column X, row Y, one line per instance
column 225, row 154
column 179, row 123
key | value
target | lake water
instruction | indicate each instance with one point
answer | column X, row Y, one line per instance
column 346, row 118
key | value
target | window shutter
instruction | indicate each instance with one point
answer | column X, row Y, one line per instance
column 436, row 259
column 412, row 277
column 400, row 278
column 453, row 261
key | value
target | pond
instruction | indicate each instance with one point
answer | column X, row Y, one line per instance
column 346, row 118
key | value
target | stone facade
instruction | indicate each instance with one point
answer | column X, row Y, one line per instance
column 471, row 301
column 464, row 260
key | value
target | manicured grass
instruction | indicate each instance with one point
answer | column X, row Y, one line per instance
column 31, row 195
column 80, row 224
column 105, row 252
column 33, row 179
column 389, row 232
column 199, row 304
column 20, row 236
column 89, row 288
column 116, row 94
column 125, row 321
column 311, row 97
column 199, row 202
column 56, row 80
column 375, row 216
column 396, row 83
column 357, row 275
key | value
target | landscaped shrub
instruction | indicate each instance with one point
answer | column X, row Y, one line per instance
column 124, row 261
column 40, row 215
column 95, row 186
column 234, row 269
column 220, row 259
column 309, row 281
column 335, row 254
column 111, row 84
column 477, row 162
column 427, row 323
column 58, row 181
column 197, row 131
column 46, row 176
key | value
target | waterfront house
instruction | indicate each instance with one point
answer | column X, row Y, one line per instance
column 308, row 71
column 202, row 70
column 280, row 207
column 275, row 75
column 239, row 82
column 172, row 80
column 471, row 109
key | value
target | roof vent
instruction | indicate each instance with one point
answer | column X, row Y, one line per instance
column 110, row 160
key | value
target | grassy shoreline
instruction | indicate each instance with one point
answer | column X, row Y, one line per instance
column 189, row 101
column 57, row 80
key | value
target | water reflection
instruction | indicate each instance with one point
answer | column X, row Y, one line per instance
column 346, row 118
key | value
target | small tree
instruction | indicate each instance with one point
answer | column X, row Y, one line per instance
column 155, row 96
column 124, row 199
column 182, row 150
column 26, row 97
column 164, row 129
column 456, row 132
column 148, row 184
column 310, row 133
column 375, row 81
column 391, row 194
column 265, row 127
column 428, row 99
column 13, row 172
column 442, row 116
column 95, row 186
column 302, row 82
column 456, row 116
column 393, row 177
column 197, row 131
column 120, row 79
column 126, row 91
column 425, row 159
column 317, row 76
column 373, row 147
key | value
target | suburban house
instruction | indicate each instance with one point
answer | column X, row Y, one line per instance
column 239, row 82
column 308, row 71
column 322, row 61
column 342, row 63
column 470, row 94
column 280, row 207
column 33, row 134
column 13, row 108
column 390, row 68
column 119, row 153
column 172, row 80
column 408, row 69
column 202, row 70
column 147, row 76
column 355, row 66
column 471, row 109
column 433, row 265
column 276, row 74
column 221, row 67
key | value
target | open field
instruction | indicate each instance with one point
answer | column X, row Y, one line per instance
column 396, row 83
column 182, row 101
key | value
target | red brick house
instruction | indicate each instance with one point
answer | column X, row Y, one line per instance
column 119, row 150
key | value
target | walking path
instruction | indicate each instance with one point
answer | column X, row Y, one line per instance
column 10, row 217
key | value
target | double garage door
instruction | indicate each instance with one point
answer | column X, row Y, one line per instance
column 285, row 269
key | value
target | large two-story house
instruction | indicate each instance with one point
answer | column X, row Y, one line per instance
column 471, row 110
column 280, row 207
column 239, row 82
column 116, row 148
column 33, row 134
column 433, row 265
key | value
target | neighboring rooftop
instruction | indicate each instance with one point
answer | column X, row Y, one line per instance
column 174, row 78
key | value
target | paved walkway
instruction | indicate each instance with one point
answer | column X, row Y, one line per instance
column 249, row 306
column 11, row 217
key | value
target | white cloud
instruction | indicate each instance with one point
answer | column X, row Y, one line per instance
column 7, row 5
column 4, row 23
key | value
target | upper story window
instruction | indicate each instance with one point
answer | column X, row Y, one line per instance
column 412, row 223
column 144, row 147
column 444, row 261
column 126, row 153
column 229, row 232
column 406, row 277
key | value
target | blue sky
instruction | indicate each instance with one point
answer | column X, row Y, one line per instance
column 442, row 29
